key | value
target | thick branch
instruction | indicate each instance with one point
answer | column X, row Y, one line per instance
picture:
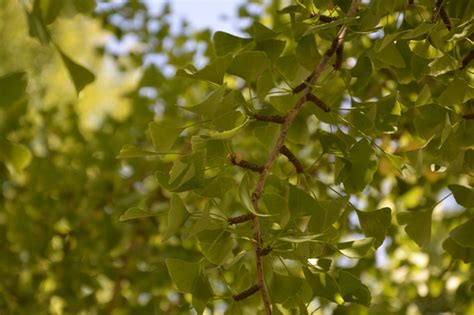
column 256, row 195
column 436, row 10
column 245, row 294
column 241, row 218
column 271, row 118
column 303, row 85
column 236, row 160
column 292, row 158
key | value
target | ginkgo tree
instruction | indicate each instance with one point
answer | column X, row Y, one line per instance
column 321, row 161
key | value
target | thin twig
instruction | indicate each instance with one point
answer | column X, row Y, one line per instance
column 270, row 118
column 468, row 116
column 237, row 160
column 436, row 10
column 292, row 158
column 445, row 17
column 339, row 57
column 245, row 294
column 241, row 218
column 256, row 195
column 466, row 60
column 319, row 102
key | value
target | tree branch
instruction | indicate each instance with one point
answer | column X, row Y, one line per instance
column 468, row 116
column 445, row 18
column 241, row 218
column 245, row 294
column 319, row 102
column 237, row 160
column 466, row 60
column 339, row 57
column 292, row 158
column 256, row 195
column 271, row 118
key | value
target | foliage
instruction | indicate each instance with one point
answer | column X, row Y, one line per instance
column 321, row 161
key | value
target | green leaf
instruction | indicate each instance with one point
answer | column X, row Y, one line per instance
column 184, row 274
column 131, row 151
column 249, row 65
column 12, row 87
column 261, row 32
column 421, row 29
column 465, row 254
column 225, row 43
column 37, row 28
column 332, row 210
column 227, row 134
column 245, row 199
column 80, row 76
column 443, row 65
column 324, row 285
column 390, row 55
column 85, row 6
column 454, row 94
column 187, row 173
column 462, row 234
column 164, row 134
column 50, row 10
column 214, row 72
column 357, row 248
column 272, row 47
column 463, row 195
column 210, row 105
column 423, row 49
column 418, row 225
column 352, row 289
column 264, row 85
column 388, row 114
column 15, row 156
column 375, row 224
column 177, row 215
column 136, row 213
column 363, row 165
column 325, row 26
column 301, row 203
column 307, row 52
column 202, row 293
column 216, row 245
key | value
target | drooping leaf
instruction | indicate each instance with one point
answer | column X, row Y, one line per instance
column 177, row 215
column 12, row 87
column 184, row 274
column 352, row 289
column 418, row 225
column 214, row 72
column 462, row 234
column 225, row 43
column 324, row 285
column 249, row 65
column 463, row 195
column 357, row 248
column 131, row 151
column 164, row 134
column 300, row 203
column 15, row 156
column 375, row 224
column 137, row 213
column 80, row 76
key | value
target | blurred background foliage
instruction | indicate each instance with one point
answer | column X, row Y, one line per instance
column 78, row 80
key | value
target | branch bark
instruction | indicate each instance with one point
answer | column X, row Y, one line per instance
column 257, row 193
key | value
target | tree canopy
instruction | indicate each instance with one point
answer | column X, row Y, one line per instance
column 318, row 160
